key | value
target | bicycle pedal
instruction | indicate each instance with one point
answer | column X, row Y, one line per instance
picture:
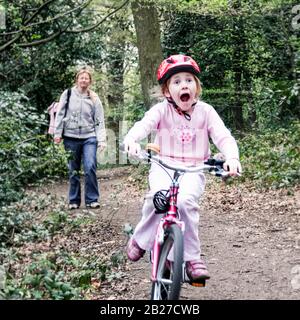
column 200, row 283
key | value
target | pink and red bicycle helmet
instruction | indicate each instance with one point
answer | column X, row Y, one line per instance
column 174, row 64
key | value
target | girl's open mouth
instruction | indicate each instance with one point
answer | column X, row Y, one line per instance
column 185, row 97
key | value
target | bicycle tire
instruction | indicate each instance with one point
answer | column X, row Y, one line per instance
column 168, row 284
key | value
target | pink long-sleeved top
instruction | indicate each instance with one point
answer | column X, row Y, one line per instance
column 182, row 140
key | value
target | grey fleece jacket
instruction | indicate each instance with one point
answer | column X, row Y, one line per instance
column 84, row 117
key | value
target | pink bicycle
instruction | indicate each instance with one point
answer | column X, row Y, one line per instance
column 167, row 276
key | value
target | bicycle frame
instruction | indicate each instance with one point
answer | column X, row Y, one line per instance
column 170, row 230
column 171, row 218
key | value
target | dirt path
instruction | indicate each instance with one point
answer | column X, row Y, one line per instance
column 250, row 240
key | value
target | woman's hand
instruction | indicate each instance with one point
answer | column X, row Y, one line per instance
column 131, row 147
column 101, row 146
column 57, row 140
column 233, row 166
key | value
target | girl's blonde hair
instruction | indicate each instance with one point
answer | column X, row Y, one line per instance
column 159, row 92
column 165, row 86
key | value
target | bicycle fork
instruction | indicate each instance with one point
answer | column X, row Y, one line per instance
column 159, row 240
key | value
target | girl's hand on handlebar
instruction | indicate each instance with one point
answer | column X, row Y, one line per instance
column 233, row 166
column 131, row 147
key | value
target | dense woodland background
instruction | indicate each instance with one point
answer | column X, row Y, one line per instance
column 248, row 51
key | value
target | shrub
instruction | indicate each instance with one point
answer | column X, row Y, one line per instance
column 272, row 158
column 26, row 154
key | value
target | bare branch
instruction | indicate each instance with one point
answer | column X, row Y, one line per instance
column 54, row 35
column 98, row 23
column 58, row 33
column 45, row 40
column 39, row 42
column 58, row 16
column 9, row 43
column 38, row 11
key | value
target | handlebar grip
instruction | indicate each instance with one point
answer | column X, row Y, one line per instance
column 214, row 162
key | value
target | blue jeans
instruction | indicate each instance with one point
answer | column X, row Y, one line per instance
column 82, row 150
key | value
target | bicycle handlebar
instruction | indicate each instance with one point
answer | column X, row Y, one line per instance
column 212, row 166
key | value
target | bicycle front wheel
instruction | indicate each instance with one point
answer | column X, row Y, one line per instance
column 169, row 274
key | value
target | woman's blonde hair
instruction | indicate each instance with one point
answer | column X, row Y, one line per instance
column 93, row 95
column 82, row 70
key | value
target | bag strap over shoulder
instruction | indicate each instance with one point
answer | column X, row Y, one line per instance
column 93, row 95
column 68, row 100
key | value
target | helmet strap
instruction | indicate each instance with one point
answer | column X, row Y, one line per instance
column 178, row 110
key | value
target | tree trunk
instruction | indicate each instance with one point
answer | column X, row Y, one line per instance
column 149, row 46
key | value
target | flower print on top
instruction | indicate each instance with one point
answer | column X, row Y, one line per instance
column 184, row 134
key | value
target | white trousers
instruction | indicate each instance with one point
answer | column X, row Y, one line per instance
column 191, row 187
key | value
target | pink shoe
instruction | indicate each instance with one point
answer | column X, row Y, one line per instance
column 197, row 270
column 134, row 252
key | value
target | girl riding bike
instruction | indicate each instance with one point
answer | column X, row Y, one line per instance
column 183, row 125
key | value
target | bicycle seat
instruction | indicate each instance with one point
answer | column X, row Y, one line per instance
column 152, row 147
